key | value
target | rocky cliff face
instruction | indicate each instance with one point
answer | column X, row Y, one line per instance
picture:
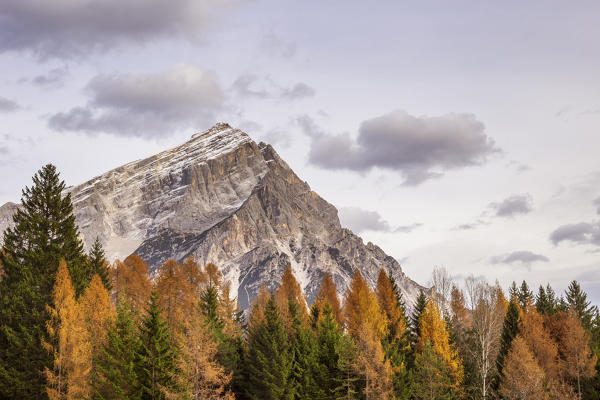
column 222, row 198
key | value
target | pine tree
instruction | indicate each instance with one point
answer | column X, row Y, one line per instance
column 524, row 295
column 431, row 379
column 97, row 310
column 68, row 343
column 116, row 364
column 44, row 232
column 510, row 329
column 415, row 318
column 268, row 362
column 98, row 264
column 157, row 354
column 578, row 302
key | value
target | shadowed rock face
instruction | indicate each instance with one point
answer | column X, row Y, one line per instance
column 222, row 198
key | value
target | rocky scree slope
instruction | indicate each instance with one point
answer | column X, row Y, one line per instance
column 222, row 198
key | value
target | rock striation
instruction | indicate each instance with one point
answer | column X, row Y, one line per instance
column 223, row 198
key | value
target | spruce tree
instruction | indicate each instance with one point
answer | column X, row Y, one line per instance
column 513, row 290
column 431, row 378
column 509, row 331
column 415, row 319
column 44, row 232
column 269, row 362
column 98, row 264
column 157, row 355
column 524, row 295
column 329, row 337
column 578, row 302
column 116, row 363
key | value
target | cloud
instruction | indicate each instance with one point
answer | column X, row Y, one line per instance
column 71, row 29
column 54, row 78
column 420, row 148
column 579, row 233
column 523, row 258
column 254, row 86
column 298, row 91
column 274, row 46
column 513, row 205
column 470, row 226
column 145, row 105
column 597, row 204
column 7, row 105
column 359, row 220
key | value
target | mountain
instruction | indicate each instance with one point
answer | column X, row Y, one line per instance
column 222, row 198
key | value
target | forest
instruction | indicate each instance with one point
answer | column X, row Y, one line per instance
column 73, row 326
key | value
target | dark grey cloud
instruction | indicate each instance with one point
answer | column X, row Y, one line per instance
column 512, row 206
column 420, row 148
column 8, row 105
column 145, row 105
column 523, row 258
column 597, row 205
column 68, row 29
column 359, row 220
column 579, row 233
column 255, row 86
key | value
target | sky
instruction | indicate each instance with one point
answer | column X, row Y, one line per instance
column 459, row 134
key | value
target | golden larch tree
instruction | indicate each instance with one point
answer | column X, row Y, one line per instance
column 579, row 360
column 68, row 342
column 433, row 329
column 257, row 309
column 96, row 310
column 328, row 294
column 388, row 303
column 290, row 291
column 523, row 378
column 131, row 280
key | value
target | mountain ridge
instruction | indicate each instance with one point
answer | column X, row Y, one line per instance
column 221, row 197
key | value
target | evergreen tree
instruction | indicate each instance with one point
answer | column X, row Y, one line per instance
column 156, row 362
column 415, row 319
column 329, row 338
column 44, row 232
column 541, row 301
column 349, row 383
column 98, row 264
column 116, row 372
column 524, row 295
column 509, row 331
column 269, row 363
column 303, row 348
column 578, row 302
column 513, row 291
column 431, row 378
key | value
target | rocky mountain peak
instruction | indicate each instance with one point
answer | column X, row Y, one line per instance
column 222, row 198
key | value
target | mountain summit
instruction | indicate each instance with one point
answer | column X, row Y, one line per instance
column 222, row 198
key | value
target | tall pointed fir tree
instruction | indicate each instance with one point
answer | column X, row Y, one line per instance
column 524, row 295
column 578, row 302
column 510, row 329
column 98, row 264
column 116, row 363
column 269, row 362
column 44, row 232
column 415, row 318
column 156, row 364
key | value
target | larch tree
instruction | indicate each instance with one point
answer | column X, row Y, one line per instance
column 97, row 311
column 201, row 376
column 327, row 294
column 290, row 291
column 396, row 343
column 44, row 232
column 523, row 378
column 175, row 295
column 68, row 343
column 575, row 347
column 541, row 344
column 131, row 281
column 433, row 330
column 368, row 326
